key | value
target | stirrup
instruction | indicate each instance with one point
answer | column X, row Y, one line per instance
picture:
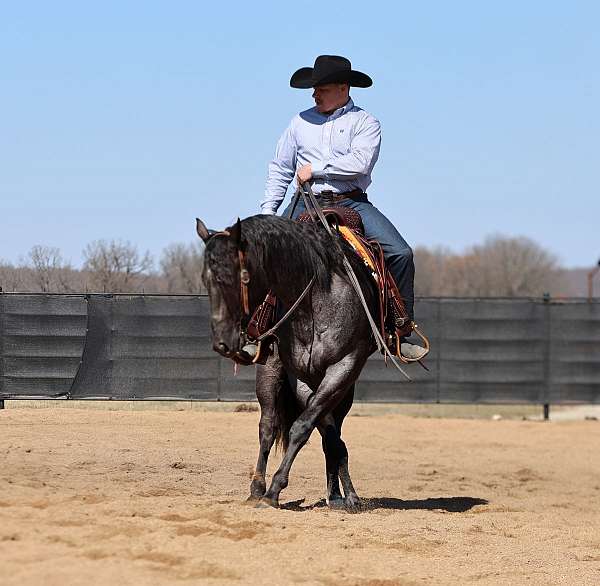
column 426, row 346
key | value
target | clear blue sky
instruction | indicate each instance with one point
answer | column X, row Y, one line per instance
column 129, row 119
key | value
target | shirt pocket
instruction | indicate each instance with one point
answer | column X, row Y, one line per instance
column 341, row 141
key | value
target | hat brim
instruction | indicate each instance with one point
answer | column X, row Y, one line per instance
column 303, row 78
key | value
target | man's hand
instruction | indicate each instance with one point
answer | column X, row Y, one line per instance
column 304, row 174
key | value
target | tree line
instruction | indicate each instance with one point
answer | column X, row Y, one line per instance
column 500, row 266
column 110, row 266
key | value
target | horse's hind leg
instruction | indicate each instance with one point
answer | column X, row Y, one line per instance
column 336, row 457
column 351, row 499
column 269, row 381
column 330, row 439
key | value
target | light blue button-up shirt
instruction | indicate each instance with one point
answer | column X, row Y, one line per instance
column 342, row 149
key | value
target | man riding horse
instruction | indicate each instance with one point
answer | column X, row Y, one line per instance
column 335, row 146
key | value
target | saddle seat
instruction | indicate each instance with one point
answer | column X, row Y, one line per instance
column 339, row 216
column 395, row 323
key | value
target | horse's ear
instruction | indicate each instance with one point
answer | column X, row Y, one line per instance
column 235, row 233
column 202, row 230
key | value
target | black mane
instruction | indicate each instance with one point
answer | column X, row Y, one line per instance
column 292, row 252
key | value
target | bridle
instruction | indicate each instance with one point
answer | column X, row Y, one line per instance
column 244, row 275
column 244, row 282
column 245, row 304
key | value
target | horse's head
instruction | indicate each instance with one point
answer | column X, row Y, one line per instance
column 222, row 279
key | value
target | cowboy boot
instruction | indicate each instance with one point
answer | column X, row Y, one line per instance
column 412, row 351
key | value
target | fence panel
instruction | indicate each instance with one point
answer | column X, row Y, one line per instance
column 492, row 351
column 574, row 358
column 381, row 384
column 148, row 347
column 143, row 347
column 41, row 344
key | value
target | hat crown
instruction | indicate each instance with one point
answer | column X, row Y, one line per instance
column 325, row 64
column 328, row 65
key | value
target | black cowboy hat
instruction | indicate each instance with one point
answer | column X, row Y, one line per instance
column 329, row 69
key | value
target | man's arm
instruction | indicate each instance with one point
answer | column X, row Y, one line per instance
column 361, row 158
column 281, row 172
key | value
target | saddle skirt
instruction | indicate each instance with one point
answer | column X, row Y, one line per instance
column 394, row 322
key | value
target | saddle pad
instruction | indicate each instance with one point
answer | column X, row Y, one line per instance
column 358, row 247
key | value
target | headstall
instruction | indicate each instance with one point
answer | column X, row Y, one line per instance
column 244, row 282
column 244, row 276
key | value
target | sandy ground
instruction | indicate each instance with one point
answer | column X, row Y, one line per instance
column 156, row 497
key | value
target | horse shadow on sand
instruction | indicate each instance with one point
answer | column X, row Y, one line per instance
column 454, row 504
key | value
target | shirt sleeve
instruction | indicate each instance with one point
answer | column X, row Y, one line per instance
column 281, row 172
column 364, row 152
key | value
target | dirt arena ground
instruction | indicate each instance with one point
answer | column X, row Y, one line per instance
column 156, row 497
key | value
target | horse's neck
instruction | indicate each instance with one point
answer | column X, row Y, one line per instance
column 269, row 280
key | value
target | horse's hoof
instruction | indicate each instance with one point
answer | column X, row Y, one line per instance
column 352, row 504
column 336, row 503
column 252, row 500
column 266, row 503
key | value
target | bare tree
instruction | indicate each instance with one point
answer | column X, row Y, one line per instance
column 10, row 277
column 116, row 266
column 181, row 266
column 432, row 270
column 513, row 267
column 501, row 266
column 50, row 273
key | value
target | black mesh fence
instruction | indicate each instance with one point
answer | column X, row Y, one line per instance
column 159, row 347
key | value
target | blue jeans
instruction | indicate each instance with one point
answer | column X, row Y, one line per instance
column 398, row 254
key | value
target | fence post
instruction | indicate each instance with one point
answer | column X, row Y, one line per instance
column 219, row 377
column 1, row 348
column 546, row 366
column 439, row 349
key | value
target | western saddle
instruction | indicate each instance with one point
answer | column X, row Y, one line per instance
column 394, row 321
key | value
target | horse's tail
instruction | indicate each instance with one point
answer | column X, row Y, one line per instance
column 287, row 410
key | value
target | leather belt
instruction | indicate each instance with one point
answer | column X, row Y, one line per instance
column 333, row 196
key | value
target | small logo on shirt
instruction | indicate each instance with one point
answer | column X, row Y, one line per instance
column 341, row 130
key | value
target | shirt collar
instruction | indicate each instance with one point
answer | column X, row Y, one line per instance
column 340, row 111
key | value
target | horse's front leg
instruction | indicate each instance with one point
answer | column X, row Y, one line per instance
column 266, row 435
column 330, row 392
column 269, row 381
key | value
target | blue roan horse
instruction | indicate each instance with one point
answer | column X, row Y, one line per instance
column 308, row 380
